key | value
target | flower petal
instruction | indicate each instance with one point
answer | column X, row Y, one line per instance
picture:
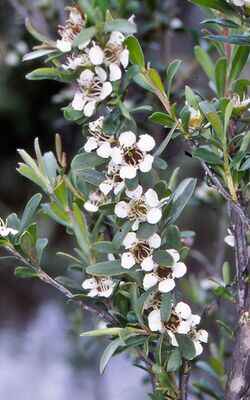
column 202, row 335
column 63, row 45
column 135, row 194
column 130, row 240
column 128, row 172
column 96, row 55
column 179, row 269
column 106, row 186
column 147, row 264
column 124, row 58
column 121, row 209
column 127, row 139
column 152, row 198
column 90, row 206
column 166, row 285
column 154, row 215
column 106, row 90
column 174, row 254
column 146, row 164
column 115, row 72
column 149, row 280
column 184, row 327
column 78, row 102
column 104, row 150
column 154, row 321
column 198, row 347
column 89, row 283
column 90, row 145
column 101, row 73
column 146, row 143
column 89, row 108
column 183, row 310
column 127, row 260
column 154, row 241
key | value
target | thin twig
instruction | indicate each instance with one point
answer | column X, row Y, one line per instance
column 184, row 377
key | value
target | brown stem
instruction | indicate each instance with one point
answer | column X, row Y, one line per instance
column 184, row 377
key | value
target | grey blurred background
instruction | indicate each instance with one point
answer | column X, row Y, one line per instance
column 42, row 356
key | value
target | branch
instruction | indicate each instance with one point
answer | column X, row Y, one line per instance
column 183, row 379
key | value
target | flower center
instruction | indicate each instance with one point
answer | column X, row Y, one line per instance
column 140, row 251
column 111, row 53
column 164, row 272
column 137, row 209
column 95, row 88
column 172, row 324
column 133, row 156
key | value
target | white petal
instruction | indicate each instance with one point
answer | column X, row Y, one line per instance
column 184, row 327
column 128, row 172
column 90, row 145
column 127, row 139
column 147, row 264
column 127, row 260
column 154, row 241
column 116, row 155
column 152, row 198
column 195, row 319
column 135, row 194
column 90, row 206
column 116, row 38
column 106, row 293
column 183, row 310
column 130, row 240
column 238, row 3
column 106, row 90
column 96, row 125
column 63, row 45
column 89, row 108
column 96, row 55
column 104, row 150
column 121, row 209
column 174, row 254
column 154, row 320
column 115, row 72
column 146, row 164
column 149, row 281
column 106, row 186
column 101, row 73
column 154, row 215
column 86, row 77
column 166, row 285
column 124, row 58
column 78, row 102
column 146, row 143
column 119, row 188
column 135, row 225
column 89, row 283
column 202, row 335
column 229, row 239
column 198, row 347
column 179, row 269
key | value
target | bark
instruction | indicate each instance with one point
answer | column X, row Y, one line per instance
column 238, row 384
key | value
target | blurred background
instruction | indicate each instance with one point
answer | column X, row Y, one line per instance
column 42, row 356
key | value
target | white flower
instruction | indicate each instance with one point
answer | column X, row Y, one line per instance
column 141, row 207
column 98, row 140
column 181, row 321
column 140, row 251
column 165, row 276
column 68, row 33
column 116, row 55
column 4, row 231
column 93, row 88
column 96, row 198
column 75, row 61
column 101, row 287
column 229, row 239
column 113, row 181
column 241, row 3
column 96, row 55
column 240, row 105
column 132, row 155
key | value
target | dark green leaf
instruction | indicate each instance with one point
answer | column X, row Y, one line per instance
column 206, row 155
column 110, row 268
column 28, row 247
column 186, row 346
column 121, row 233
column 109, row 352
column 23, row 272
column 220, row 75
column 84, row 161
column 166, row 306
column 239, row 61
column 205, row 61
column 146, row 230
column 32, row 30
column 103, row 247
column 220, row 5
column 135, row 51
column 174, row 360
column 161, row 118
column 171, row 71
column 163, row 258
column 91, row 176
column 222, row 22
column 29, row 211
column 67, row 282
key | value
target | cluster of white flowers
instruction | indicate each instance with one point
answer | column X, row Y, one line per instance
column 181, row 321
column 99, row 65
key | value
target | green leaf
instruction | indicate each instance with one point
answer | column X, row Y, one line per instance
column 225, row 329
column 220, row 75
column 91, row 176
column 40, row 245
column 174, row 360
column 163, row 258
column 135, row 52
column 72, row 115
column 180, row 199
column 61, row 194
column 110, row 268
column 85, row 161
column 32, row 30
column 81, row 231
column 88, row 9
column 171, row 71
column 135, row 304
column 228, row 113
column 241, row 40
column 107, row 209
column 121, row 25
column 156, row 80
column 172, row 238
column 191, row 98
column 109, row 352
column 103, row 247
column 121, row 233
column 166, row 306
column 239, row 61
column 221, row 22
column 103, row 332
column 146, row 230
column 57, row 214
column 28, row 247
column 206, row 155
column 24, row 272
column 221, row 291
column 166, row 141
column 205, row 61
column 186, row 346
column 85, row 35
column 207, row 388
column 220, row 5
column 67, row 282
column 29, row 211
column 161, row 118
